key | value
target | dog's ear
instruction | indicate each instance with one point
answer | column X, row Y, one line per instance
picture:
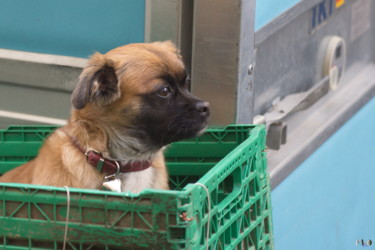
column 98, row 83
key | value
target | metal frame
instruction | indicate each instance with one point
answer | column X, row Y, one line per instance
column 288, row 62
column 223, row 50
column 170, row 20
column 40, row 70
column 246, row 62
column 27, row 77
column 310, row 128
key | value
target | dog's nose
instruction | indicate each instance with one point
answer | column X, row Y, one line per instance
column 202, row 108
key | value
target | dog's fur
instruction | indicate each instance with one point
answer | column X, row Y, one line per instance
column 129, row 103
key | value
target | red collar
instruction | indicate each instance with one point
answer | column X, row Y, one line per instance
column 111, row 168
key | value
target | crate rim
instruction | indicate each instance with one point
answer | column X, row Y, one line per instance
column 254, row 131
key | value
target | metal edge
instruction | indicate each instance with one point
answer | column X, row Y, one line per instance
column 40, row 70
column 40, row 58
column 147, row 34
column 162, row 20
column 281, row 21
column 215, row 76
column 31, row 118
column 245, row 88
column 171, row 20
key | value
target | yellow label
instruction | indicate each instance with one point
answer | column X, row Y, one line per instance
column 339, row 3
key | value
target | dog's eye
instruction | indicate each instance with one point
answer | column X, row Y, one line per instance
column 164, row 92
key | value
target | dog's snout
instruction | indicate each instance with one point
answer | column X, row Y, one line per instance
column 202, row 108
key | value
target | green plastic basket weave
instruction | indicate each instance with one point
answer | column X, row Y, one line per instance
column 230, row 163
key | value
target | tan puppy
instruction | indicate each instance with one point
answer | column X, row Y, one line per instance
column 129, row 103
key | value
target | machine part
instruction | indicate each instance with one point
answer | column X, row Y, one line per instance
column 290, row 104
column 333, row 77
column 308, row 129
column 333, row 60
column 289, row 44
column 259, row 119
column 250, row 69
column 276, row 135
column 333, row 56
column 293, row 103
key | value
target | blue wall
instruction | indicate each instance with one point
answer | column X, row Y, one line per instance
column 70, row 27
column 80, row 27
column 267, row 10
column 329, row 201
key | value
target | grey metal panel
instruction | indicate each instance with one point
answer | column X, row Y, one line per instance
column 285, row 64
column 287, row 61
column 38, row 85
column 245, row 97
column 222, row 48
column 40, row 70
column 35, row 101
column 283, row 20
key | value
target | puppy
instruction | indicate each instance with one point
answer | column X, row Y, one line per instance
column 129, row 104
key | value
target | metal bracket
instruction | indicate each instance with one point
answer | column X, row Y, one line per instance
column 332, row 56
column 276, row 135
column 273, row 118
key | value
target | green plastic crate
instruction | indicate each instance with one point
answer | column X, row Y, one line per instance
column 229, row 162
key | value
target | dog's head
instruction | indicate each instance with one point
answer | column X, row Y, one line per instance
column 140, row 93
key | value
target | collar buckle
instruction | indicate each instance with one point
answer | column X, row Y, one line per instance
column 87, row 154
column 115, row 175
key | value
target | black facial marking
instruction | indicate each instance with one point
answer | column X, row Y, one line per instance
column 168, row 79
column 165, row 120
